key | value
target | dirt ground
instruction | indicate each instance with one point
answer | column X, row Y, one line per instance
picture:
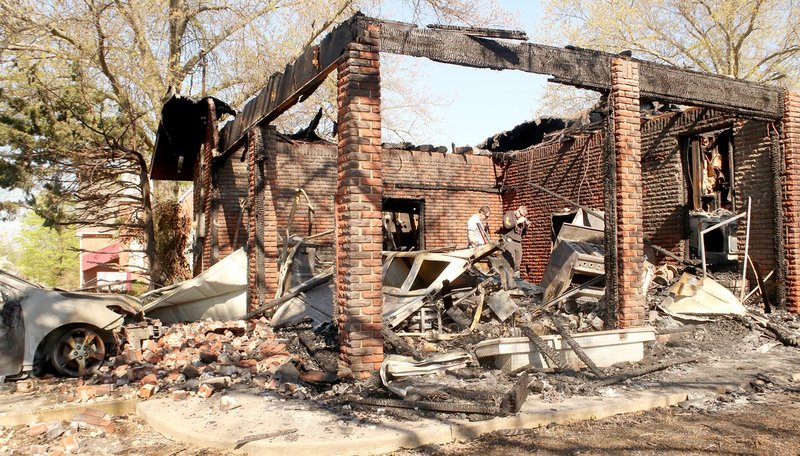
column 768, row 425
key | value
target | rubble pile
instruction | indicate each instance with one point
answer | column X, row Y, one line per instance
column 203, row 358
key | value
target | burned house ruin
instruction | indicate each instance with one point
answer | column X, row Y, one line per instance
column 656, row 177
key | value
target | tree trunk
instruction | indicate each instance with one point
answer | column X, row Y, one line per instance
column 149, row 227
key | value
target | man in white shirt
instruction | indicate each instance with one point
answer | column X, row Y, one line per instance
column 477, row 232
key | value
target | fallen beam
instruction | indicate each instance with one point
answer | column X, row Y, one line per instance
column 305, row 286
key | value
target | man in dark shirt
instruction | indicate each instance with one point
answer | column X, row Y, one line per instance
column 515, row 223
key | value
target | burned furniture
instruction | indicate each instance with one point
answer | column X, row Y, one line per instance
column 578, row 257
column 721, row 244
column 412, row 280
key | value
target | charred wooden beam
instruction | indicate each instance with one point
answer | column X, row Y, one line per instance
column 483, row 32
column 583, row 68
column 294, row 84
column 470, row 47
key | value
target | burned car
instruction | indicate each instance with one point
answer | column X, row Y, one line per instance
column 68, row 332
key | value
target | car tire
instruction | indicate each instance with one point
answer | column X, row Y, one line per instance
column 76, row 351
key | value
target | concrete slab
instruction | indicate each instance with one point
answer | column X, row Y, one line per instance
column 272, row 425
column 300, row 428
column 40, row 409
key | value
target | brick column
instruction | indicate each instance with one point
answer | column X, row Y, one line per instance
column 198, row 201
column 262, row 249
column 208, row 152
column 267, row 161
column 358, row 207
column 791, row 198
column 624, row 99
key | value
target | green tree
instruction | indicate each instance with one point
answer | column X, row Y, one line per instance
column 48, row 255
column 756, row 40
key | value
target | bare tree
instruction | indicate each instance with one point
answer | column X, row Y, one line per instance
column 82, row 83
column 756, row 40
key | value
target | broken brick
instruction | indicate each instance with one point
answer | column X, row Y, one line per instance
column 139, row 373
column 26, row 386
column 179, row 395
column 131, row 356
column 174, row 376
column 121, row 370
column 96, row 418
column 151, row 358
column 147, row 391
column 71, row 443
column 149, row 379
column 190, row 371
column 86, row 392
column 151, row 345
column 207, row 357
column 37, row 429
column 205, row 391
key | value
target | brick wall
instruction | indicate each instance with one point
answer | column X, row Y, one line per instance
column 571, row 169
column 456, row 186
column 753, row 178
column 312, row 167
column 664, row 186
column 791, row 198
column 231, row 215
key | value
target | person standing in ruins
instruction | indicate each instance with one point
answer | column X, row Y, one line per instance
column 515, row 224
column 477, row 229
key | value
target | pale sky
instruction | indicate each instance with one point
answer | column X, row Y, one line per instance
column 479, row 102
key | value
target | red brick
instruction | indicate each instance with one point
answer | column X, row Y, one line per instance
column 205, row 391
column 147, row 391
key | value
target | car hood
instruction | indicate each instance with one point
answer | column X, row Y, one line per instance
column 126, row 304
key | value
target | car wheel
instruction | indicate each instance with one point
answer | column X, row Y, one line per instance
column 77, row 351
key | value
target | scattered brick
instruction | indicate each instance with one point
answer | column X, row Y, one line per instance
column 149, row 379
column 179, row 395
column 95, row 418
column 26, row 386
column 71, row 443
column 131, row 356
column 190, row 372
column 205, row 391
column 36, row 429
column 147, row 391
column 121, row 370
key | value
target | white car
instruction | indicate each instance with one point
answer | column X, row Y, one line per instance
column 69, row 332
